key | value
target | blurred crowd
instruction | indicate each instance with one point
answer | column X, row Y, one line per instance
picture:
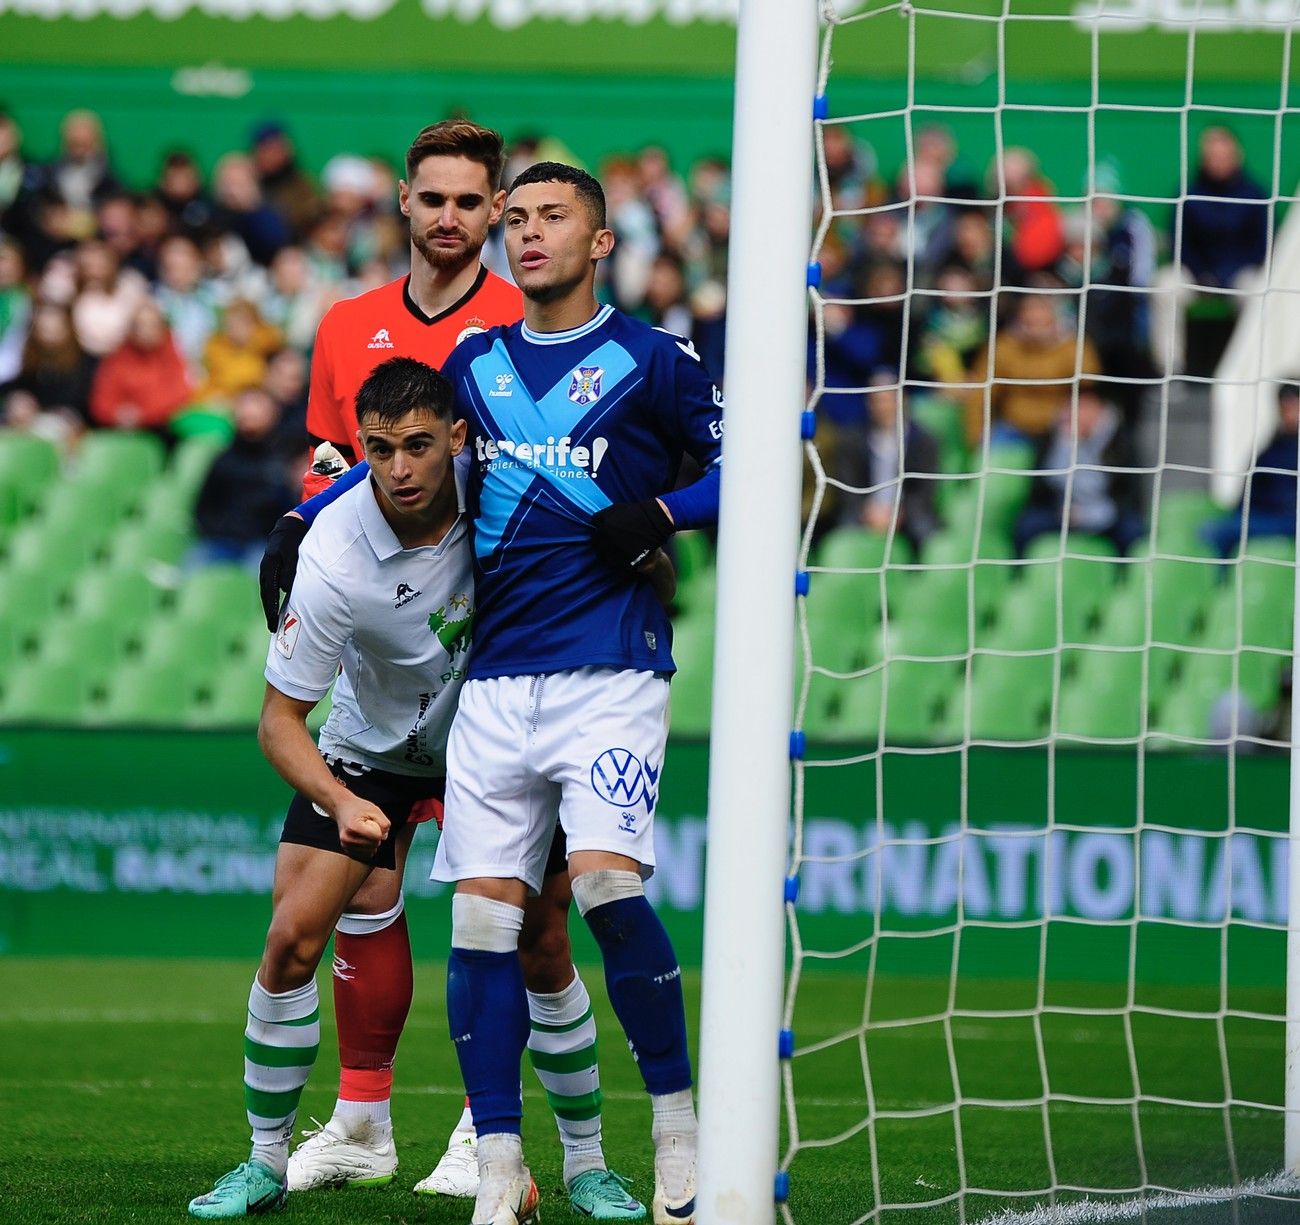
column 1059, row 363
column 192, row 304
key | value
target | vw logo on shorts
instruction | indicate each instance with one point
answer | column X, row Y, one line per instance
column 617, row 777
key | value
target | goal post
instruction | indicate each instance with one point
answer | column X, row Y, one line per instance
column 1030, row 787
column 749, row 777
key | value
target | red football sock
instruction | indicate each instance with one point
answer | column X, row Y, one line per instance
column 372, row 996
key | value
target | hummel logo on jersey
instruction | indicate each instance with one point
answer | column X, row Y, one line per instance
column 405, row 594
column 380, row 340
column 503, row 385
column 584, row 389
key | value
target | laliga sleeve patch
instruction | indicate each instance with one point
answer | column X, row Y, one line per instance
column 286, row 637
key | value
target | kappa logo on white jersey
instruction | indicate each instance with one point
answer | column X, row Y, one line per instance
column 503, row 385
column 380, row 340
column 286, row 637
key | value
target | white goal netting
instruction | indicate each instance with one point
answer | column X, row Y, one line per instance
column 1038, row 881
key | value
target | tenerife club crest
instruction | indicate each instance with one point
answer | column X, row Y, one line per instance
column 584, row 389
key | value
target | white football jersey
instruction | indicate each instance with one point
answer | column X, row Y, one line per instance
column 398, row 621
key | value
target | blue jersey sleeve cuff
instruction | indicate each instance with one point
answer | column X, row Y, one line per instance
column 696, row 505
column 313, row 506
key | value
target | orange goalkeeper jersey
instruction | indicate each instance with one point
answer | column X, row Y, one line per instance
column 359, row 333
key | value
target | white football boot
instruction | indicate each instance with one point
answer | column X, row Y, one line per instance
column 456, row 1173
column 507, row 1194
column 331, row 1157
column 674, row 1202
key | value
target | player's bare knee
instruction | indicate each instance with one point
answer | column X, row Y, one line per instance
column 291, row 956
column 380, row 892
column 546, row 956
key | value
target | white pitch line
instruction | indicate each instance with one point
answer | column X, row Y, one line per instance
column 1093, row 1212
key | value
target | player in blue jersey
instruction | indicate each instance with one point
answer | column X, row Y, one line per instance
column 577, row 421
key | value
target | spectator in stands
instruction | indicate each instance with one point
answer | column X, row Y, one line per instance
column 887, row 457
column 1087, row 477
column 59, row 199
column 664, row 304
column 931, row 221
column 936, row 148
column 954, row 329
column 12, row 166
column 664, row 191
column 50, row 392
column 180, row 191
column 1268, row 507
column 1218, row 243
column 294, row 302
column 1036, row 362
column 627, row 270
column 187, row 300
column 1124, row 256
column 850, row 167
column 234, row 358
column 286, row 384
column 115, row 218
column 1033, row 218
column 975, row 248
column 144, row 383
column 107, row 296
column 242, row 211
column 287, row 187
column 15, row 308
column 247, row 488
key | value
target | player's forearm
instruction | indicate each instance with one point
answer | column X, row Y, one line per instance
column 287, row 744
column 695, row 505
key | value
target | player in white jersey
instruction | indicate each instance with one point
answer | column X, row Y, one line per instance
column 384, row 591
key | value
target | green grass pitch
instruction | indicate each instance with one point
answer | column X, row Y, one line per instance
column 120, row 1091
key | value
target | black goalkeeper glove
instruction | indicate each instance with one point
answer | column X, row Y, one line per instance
column 280, row 564
column 627, row 533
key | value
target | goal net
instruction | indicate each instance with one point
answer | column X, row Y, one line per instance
column 1037, row 894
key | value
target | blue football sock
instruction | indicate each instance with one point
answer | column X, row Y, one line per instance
column 645, row 987
column 487, row 1010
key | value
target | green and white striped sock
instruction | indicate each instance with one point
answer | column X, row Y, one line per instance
column 562, row 1046
column 280, row 1045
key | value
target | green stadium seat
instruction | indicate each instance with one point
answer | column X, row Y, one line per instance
column 222, row 591
column 1103, row 699
column 28, row 468
column 119, row 456
column 853, row 548
column 690, row 694
column 1185, row 712
column 63, row 548
column 855, row 718
column 148, row 694
column 168, row 503
column 1178, row 517
column 143, row 545
column 235, row 698
column 37, row 693
column 843, row 610
column 128, row 595
column 1010, row 696
column 1026, row 622
column 95, row 644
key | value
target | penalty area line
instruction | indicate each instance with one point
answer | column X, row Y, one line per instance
column 1096, row 1212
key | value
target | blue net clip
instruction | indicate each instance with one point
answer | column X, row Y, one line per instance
column 814, row 274
column 821, row 107
column 785, row 1044
column 797, row 744
column 791, row 890
column 802, row 581
column 781, row 1190
column 808, row 425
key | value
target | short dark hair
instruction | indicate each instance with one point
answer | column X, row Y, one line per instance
column 459, row 138
column 587, row 189
column 402, row 385
column 1288, row 390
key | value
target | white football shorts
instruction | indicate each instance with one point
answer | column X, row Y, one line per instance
column 584, row 746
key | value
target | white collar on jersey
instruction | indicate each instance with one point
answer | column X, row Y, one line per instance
column 379, row 532
column 559, row 338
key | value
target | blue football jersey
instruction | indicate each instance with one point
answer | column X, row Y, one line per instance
column 561, row 425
